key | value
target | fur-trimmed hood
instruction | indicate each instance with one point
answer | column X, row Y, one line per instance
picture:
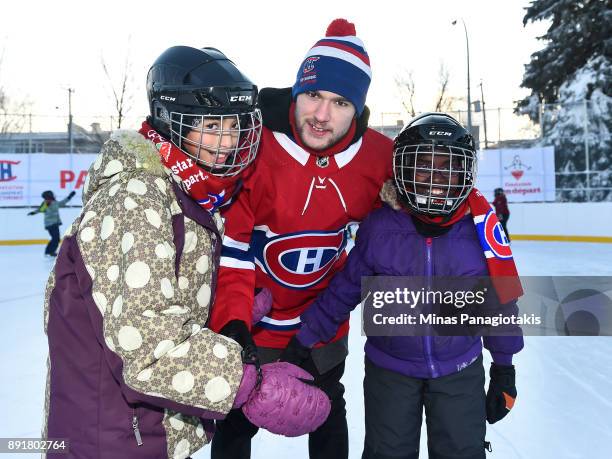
column 125, row 151
column 388, row 194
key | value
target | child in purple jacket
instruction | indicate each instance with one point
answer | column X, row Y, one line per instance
column 432, row 226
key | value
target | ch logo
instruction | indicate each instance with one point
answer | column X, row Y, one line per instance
column 494, row 238
column 310, row 260
column 299, row 260
column 6, row 170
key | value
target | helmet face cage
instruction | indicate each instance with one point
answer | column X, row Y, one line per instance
column 432, row 178
column 224, row 145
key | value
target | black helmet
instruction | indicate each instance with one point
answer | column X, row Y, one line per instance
column 48, row 194
column 498, row 191
column 434, row 164
column 187, row 86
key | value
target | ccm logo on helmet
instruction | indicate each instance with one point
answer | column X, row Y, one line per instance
column 168, row 98
column 444, row 133
column 241, row 99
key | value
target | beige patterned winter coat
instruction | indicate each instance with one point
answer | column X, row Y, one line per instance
column 133, row 370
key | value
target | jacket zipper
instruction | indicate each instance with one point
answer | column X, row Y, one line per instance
column 427, row 340
column 135, row 428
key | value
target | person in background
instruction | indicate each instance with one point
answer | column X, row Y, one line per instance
column 50, row 207
column 501, row 209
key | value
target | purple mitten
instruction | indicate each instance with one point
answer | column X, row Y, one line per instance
column 262, row 304
column 285, row 405
column 247, row 384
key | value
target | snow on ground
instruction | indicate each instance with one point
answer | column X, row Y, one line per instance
column 564, row 409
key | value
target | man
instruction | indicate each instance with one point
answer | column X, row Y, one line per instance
column 319, row 173
column 50, row 207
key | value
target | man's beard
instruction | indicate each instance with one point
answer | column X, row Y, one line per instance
column 334, row 139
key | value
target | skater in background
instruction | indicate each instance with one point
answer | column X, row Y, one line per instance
column 50, row 207
column 428, row 228
column 133, row 372
column 501, row 209
column 319, row 173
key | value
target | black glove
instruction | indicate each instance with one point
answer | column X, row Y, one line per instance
column 34, row 212
column 239, row 332
column 502, row 392
column 295, row 352
column 71, row 194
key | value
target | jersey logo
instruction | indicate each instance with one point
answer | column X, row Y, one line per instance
column 322, row 161
column 299, row 260
column 492, row 234
column 213, row 201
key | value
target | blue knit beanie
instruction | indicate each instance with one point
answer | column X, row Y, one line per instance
column 337, row 63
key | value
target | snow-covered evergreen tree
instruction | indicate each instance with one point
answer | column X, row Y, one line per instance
column 571, row 83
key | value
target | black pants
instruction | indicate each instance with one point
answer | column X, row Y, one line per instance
column 454, row 409
column 232, row 439
column 55, row 238
column 503, row 219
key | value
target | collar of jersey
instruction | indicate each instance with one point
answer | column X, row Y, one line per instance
column 302, row 156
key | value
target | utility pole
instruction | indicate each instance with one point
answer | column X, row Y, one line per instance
column 498, row 125
column 469, row 98
column 70, row 133
column 484, row 116
column 30, row 136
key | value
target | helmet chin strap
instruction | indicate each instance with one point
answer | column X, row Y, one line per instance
column 438, row 220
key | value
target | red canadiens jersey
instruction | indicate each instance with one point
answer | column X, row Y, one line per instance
column 291, row 228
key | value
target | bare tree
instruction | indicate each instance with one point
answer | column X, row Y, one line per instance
column 122, row 93
column 404, row 83
column 444, row 101
column 443, row 78
column 12, row 114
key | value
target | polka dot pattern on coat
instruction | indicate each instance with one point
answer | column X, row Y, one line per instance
column 183, row 381
column 129, row 338
column 137, row 274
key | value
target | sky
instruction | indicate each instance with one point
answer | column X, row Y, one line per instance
column 49, row 47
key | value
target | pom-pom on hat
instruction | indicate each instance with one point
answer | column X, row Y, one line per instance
column 337, row 63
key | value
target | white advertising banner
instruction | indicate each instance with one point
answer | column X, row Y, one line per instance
column 525, row 174
column 23, row 177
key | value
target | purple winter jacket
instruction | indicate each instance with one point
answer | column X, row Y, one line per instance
column 133, row 370
column 388, row 244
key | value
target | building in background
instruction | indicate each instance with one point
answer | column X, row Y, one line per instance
column 84, row 141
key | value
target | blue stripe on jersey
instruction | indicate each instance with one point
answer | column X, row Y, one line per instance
column 232, row 252
column 268, row 326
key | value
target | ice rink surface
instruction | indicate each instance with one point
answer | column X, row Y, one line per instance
column 563, row 410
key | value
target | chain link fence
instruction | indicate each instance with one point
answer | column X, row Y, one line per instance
column 580, row 133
